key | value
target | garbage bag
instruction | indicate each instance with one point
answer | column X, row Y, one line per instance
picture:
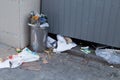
column 110, row 55
column 5, row 64
column 61, row 39
column 51, row 42
column 25, row 56
column 28, row 56
column 62, row 45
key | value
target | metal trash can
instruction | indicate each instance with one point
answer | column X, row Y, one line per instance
column 38, row 38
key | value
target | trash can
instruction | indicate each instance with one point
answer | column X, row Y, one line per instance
column 38, row 38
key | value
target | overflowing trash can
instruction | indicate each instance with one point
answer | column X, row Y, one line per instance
column 38, row 38
column 38, row 32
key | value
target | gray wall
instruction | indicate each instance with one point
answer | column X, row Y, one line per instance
column 92, row 20
column 14, row 30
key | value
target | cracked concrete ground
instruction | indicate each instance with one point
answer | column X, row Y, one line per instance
column 60, row 67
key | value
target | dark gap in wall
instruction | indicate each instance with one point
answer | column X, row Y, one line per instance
column 82, row 43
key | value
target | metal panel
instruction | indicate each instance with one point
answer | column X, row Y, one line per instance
column 91, row 20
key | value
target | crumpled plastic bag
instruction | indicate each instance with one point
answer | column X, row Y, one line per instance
column 5, row 64
column 110, row 55
column 62, row 44
column 25, row 56
column 63, row 47
column 61, row 39
column 28, row 56
column 44, row 25
column 51, row 43
column 11, row 63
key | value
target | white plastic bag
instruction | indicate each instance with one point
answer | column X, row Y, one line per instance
column 51, row 42
column 28, row 56
column 61, row 39
column 15, row 62
column 25, row 56
column 110, row 55
column 5, row 64
column 62, row 45
column 44, row 25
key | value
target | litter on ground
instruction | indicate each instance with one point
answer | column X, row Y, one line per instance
column 62, row 43
column 86, row 50
column 110, row 55
column 14, row 61
column 45, row 61
column 18, row 50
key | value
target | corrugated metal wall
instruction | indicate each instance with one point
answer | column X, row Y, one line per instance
column 91, row 20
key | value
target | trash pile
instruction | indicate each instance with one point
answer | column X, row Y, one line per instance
column 16, row 60
column 112, row 56
column 61, row 44
column 38, row 24
column 38, row 19
column 26, row 55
